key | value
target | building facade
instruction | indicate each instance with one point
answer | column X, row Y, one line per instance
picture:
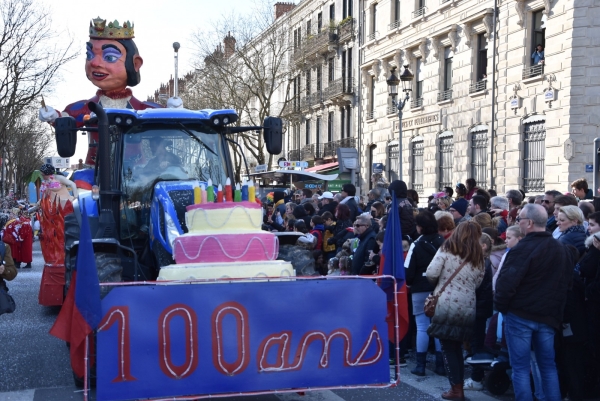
column 482, row 105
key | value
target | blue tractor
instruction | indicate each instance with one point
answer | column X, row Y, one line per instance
column 147, row 167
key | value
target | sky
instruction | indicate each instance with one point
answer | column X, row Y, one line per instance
column 157, row 25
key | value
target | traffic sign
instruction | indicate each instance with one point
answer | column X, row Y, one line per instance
column 286, row 164
column 261, row 168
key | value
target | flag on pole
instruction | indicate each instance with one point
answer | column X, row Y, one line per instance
column 81, row 312
column 392, row 264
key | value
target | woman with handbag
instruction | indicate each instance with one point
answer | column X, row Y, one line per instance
column 457, row 270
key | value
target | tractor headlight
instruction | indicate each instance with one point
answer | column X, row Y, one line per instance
column 172, row 231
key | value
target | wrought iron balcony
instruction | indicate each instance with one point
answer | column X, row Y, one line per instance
column 339, row 87
column 294, row 154
column 391, row 110
column 372, row 36
column 307, row 152
column 478, row 86
column 419, row 13
column 444, row 95
column 394, row 25
column 321, row 150
column 416, row 103
column 371, row 114
column 346, row 30
column 533, row 71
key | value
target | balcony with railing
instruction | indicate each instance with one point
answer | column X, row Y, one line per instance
column 345, row 30
column 372, row 36
column 338, row 88
column 394, row 25
column 391, row 110
column 478, row 86
column 371, row 114
column 533, row 71
column 419, row 12
column 416, row 103
column 325, row 150
column 444, row 95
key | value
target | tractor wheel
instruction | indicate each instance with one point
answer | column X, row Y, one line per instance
column 497, row 382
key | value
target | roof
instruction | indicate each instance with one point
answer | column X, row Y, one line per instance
column 322, row 167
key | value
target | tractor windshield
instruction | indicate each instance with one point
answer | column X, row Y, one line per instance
column 168, row 152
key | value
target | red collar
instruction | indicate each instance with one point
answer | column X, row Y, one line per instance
column 116, row 94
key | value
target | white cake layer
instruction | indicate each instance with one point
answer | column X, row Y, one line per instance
column 223, row 218
column 192, row 271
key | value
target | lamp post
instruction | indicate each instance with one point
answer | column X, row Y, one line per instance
column 406, row 78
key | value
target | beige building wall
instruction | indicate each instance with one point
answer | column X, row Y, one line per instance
column 539, row 144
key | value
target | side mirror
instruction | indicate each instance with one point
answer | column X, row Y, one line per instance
column 66, row 136
column 273, row 135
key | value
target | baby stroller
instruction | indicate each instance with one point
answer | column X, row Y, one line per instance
column 495, row 358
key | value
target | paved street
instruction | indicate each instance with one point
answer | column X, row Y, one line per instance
column 35, row 365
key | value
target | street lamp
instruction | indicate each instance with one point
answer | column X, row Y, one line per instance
column 406, row 78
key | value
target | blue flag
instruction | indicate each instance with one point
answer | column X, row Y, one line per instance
column 392, row 252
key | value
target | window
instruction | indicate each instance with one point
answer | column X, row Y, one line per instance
column 332, row 12
column 319, row 22
column 479, row 147
column 307, row 139
column 535, row 67
column 348, row 121
column 446, row 159
column 395, row 22
column 446, row 92
column 482, row 58
column 534, row 137
column 346, row 8
column 373, row 19
column 331, row 70
column 308, row 27
column 393, row 160
column 343, row 123
column 418, row 146
column 318, row 134
column 417, row 101
column 295, row 39
column 419, row 9
column 539, row 31
column 330, row 127
column 319, row 77
column 308, row 79
column 347, row 70
column 370, row 114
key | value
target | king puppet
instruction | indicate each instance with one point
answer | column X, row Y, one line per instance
column 112, row 64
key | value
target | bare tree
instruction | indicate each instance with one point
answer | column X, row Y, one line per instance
column 249, row 72
column 29, row 61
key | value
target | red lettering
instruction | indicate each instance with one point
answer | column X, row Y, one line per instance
column 282, row 341
column 243, row 338
column 191, row 341
column 120, row 316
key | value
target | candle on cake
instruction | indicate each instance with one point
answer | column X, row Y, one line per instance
column 228, row 194
column 244, row 190
column 210, row 191
column 219, row 194
column 251, row 191
column 204, row 195
column 197, row 195
column 238, row 193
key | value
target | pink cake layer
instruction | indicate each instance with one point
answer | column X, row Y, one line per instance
column 226, row 248
column 224, row 205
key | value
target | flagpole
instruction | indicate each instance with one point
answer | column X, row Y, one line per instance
column 86, row 363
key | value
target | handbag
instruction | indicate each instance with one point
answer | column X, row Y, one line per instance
column 432, row 299
column 7, row 303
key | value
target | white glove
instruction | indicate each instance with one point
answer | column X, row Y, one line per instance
column 175, row 103
column 48, row 114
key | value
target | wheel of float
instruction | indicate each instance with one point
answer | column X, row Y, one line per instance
column 497, row 382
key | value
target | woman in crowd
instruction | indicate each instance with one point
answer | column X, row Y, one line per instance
column 461, row 191
column 413, row 197
column 471, row 188
column 455, row 313
column 570, row 225
column 483, row 219
column 343, row 222
column 419, row 255
column 377, row 212
column 445, row 223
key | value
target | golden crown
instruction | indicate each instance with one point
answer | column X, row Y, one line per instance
column 99, row 29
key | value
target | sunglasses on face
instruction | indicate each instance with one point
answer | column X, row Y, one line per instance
column 547, row 201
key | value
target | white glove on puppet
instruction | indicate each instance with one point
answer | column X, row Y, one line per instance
column 48, row 114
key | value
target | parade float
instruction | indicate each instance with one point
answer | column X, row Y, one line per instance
column 175, row 291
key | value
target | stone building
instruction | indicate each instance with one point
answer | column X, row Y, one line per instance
column 481, row 105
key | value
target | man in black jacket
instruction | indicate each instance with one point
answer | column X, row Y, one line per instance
column 348, row 193
column 366, row 237
column 405, row 208
column 327, row 203
column 531, row 292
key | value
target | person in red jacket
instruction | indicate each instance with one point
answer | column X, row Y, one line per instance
column 18, row 234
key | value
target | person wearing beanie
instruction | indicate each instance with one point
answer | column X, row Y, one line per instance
column 458, row 208
column 279, row 202
column 405, row 208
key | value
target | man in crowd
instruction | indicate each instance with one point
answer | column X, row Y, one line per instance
column 477, row 204
column 366, row 236
column 548, row 204
column 531, row 292
column 348, row 193
column 304, row 195
column 405, row 209
column 327, row 203
column 580, row 189
column 458, row 208
column 515, row 198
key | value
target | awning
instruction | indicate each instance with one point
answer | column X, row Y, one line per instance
column 296, row 175
column 323, row 167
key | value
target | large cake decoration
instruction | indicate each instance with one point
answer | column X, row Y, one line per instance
column 225, row 240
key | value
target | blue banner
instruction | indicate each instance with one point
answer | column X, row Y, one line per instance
column 193, row 339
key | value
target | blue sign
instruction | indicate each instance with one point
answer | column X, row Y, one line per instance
column 377, row 167
column 589, row 168
column 176, row 340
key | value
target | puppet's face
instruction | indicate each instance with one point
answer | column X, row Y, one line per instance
column 105, row 64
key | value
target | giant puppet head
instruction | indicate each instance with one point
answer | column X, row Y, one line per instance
column 112, row 58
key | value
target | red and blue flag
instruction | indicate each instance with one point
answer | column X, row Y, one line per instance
column 392, row 264
column 81, row 312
